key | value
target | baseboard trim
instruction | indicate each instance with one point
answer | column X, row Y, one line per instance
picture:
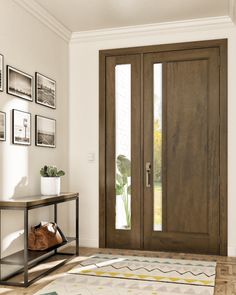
column 93, row 243
column 232, row 251
column 90, row 243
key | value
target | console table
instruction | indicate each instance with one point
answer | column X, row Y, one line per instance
column 27, row 259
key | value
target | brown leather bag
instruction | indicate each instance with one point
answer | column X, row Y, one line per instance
column 44, row 236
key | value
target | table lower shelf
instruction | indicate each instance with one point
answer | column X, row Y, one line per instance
column 18, row 257
column 15, row 277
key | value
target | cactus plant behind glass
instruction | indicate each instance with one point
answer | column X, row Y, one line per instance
column 123, row 187
column 51, row 171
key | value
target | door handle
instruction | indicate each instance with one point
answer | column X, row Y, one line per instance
column 148, row 174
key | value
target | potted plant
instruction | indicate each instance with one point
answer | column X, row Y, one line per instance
column 51, row 180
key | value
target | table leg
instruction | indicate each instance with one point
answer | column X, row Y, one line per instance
column 0, row 244
column 77, row 226
column 55, row 219
column 26, row 222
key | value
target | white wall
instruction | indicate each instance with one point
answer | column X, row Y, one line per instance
column 83, row 115
column 30, row 46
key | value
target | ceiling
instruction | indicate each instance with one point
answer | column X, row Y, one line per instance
column 83, row 15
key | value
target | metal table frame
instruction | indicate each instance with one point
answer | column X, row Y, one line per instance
column 53, row 251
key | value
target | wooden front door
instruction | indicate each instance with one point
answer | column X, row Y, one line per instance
column 163, row 148
column 182, row 204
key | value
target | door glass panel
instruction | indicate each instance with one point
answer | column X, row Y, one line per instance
column 157, row 147
column 123, row 146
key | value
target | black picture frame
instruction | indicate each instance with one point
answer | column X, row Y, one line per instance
column 13, row 75
column 1, row 73
column 45, row 91
column 43, row 139
column 3, row 138
column 21, row 129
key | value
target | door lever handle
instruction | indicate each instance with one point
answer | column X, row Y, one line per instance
column 148, row 174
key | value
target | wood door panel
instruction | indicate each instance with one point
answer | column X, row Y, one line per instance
column 190, row 157
column 177, row 242
column 118, row 238
column 186, row 146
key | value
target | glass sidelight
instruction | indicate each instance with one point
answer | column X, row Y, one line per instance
column 123, row 145
column 157, row 147
column 123, row 179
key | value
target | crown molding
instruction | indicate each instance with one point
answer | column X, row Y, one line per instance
column 232, row 10
column 57, row 27
column 132, row 31
column 45, row 18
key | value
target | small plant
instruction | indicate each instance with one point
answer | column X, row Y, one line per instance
column 123, row 188
column 51, row 171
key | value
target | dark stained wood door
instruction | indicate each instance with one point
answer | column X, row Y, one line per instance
column 163, row 148
column 123, row 152
column 190, row 187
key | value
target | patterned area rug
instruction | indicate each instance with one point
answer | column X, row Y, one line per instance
column 112, row 274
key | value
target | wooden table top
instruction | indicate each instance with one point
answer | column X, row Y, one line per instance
column 34, row 201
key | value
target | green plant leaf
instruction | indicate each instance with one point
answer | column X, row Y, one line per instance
column 51, row 171
column 119, row 189
column 60, row 173
column 119, row 179
column 43, row 171
column 124, row 165
column 124, row 179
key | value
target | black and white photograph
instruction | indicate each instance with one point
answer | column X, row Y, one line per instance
column 2, row 126
column 45, row 129
column 19, row 84
column 1, row 72
column 45, row 91
column 21, row 127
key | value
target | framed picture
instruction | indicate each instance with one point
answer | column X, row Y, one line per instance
column 45, row 132
column 2, row 126
column 21, row 127
column 19, row 84
column 1, row 72
column 45, row 91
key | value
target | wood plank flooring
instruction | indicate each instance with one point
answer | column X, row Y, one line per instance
column 225, row 278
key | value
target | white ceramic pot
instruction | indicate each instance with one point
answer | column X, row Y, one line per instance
column 50, row 186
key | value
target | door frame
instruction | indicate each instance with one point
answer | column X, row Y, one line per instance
column 221, row 44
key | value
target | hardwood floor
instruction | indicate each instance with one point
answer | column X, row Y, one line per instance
column 225, row 278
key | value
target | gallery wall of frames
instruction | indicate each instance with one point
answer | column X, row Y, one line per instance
column 40, row 89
